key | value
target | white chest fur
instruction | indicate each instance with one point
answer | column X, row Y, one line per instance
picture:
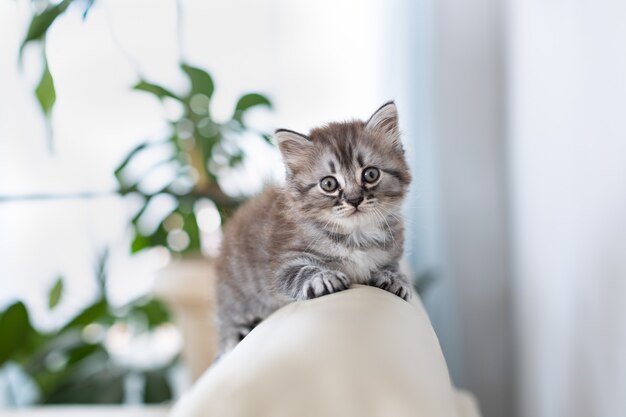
column 362, row 235
column 359, row 264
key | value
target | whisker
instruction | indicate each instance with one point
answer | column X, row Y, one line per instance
column 379, row 224
column 397, row 216
column 411, row 206
column 388, row 227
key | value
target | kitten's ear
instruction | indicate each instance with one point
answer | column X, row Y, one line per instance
column 294, row 146
column 385, row 121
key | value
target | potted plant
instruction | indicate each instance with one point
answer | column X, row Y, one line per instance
column 86, row 360
column 198, row 150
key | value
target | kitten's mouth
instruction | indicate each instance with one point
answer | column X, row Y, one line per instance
column 352, row 212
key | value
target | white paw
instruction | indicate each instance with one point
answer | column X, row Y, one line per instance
column 394, row 282
column 323, row 283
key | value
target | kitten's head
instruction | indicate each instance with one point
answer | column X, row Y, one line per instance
column 349, row 173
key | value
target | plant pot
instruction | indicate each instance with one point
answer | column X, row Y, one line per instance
column 187, row 286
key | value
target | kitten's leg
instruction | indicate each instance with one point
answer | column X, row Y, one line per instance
column 388, row 278
column 303, row 279
column 231, row 334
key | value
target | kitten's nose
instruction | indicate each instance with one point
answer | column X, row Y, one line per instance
column 355, row 201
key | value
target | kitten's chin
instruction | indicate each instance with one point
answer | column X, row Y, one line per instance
column 356, row 220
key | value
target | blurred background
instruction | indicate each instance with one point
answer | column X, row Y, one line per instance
column 130, row 130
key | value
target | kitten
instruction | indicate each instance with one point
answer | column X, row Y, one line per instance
column 336, row 222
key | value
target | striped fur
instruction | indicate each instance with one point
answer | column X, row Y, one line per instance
column 300, row 241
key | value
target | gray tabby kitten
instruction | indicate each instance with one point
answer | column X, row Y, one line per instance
column 336, row 222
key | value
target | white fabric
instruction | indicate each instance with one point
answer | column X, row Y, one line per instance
column 362, row 352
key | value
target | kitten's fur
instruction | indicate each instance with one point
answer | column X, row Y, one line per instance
column 300, row 242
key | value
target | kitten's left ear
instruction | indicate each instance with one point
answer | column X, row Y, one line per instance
column 294, row 146
column 385, row 121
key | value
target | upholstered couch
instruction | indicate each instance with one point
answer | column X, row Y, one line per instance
column 362, row 352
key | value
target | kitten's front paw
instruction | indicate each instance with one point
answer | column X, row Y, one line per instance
column 324, row 282
column 394, row 282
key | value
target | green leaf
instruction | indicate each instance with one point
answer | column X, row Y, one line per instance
column 86, row 386
column 55, row 293
column 267, row 137
column 129, row 157
column 40, row 23
column 248, row 101
column 45, row 92
column 80, row 352
column 154, row 312
column 142, row 210
column 157, row 388
column 201, row 81
column 101, row 271
column 155, row 89
column 190, row 226
column 236, row 159
column 139, row 243
column 16, row 329
column 206, row 151
column 95, row 312
column 128, row 185
column 87, row 8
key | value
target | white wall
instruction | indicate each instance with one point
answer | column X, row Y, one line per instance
column 568, row 154
column 470, row 305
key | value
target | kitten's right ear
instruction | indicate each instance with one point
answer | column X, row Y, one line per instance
column 293, row 145
column 384, row 121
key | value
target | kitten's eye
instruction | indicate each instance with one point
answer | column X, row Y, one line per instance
column 370, row 174
column 329, row 184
